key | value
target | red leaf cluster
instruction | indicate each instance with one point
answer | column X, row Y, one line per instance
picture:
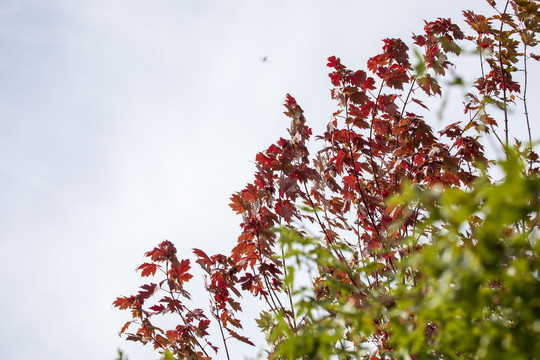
column 187, row 337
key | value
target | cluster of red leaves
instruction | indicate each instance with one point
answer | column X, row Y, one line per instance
column 502, row 40
column 384, row 143
column 280, row 182
column 376, row 141
column 190, row 337
column 221, row 280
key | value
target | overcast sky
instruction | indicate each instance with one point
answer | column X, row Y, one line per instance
column 127, row 122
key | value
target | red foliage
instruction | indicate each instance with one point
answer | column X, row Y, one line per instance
column 373, row 144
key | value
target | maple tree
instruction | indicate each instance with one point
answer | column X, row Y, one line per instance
column 392, row 219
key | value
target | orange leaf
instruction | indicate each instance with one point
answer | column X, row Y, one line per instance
column 237, row 204
column 124, row 328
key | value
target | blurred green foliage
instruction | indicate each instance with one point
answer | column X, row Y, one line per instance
column 472, row 292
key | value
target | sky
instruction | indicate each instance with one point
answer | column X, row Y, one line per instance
column 127, row 122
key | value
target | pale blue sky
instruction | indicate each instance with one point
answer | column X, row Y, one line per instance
column 127, row 122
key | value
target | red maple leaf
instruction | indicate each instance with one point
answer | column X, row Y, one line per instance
column 237, row 204
column 147, row 269
column 264, row 160
column 335, row 63
column 250, row 193
column 375, row 62
column 147, row 291
column 180, row 273
column 396, row 76
column 285, row 210
column 202, row 257
column 123, row 302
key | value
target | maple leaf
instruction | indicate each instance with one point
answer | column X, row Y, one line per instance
column 419, row 40
column 160, row 342
column 180, row 273
column 369, row 84
column 479, row 23
column 396, row 76
column 420, row 103
column 429, row 85
column 339, row 160
column 156, row 254
column 246, row 250
column 273, row 149
column 270, row 268
column 203, row 326
column 240, row 337
column 375, row 62
column 335, row 63
column 335, row 78
column 452, row 130
column 147, row 269
column 184, row 266
column 388, row 104
column 435, row 59
column 124, row 328
column 358, row 77
column 158, row 308
column 535, row 56
column 246, row 281
column 357, row 97
column 237, row 204
column 122, row 302
column 289, row 187
column 350, row 181
column 285, row 209
column 138, row 337
column 173, row 335
column 289, row 100
column 147, row 291
column 397, row 50
column 173, row 305
column 264, row 160
column 235, row 305
column 443, row 27
column 202, row 257
column 250, row 193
